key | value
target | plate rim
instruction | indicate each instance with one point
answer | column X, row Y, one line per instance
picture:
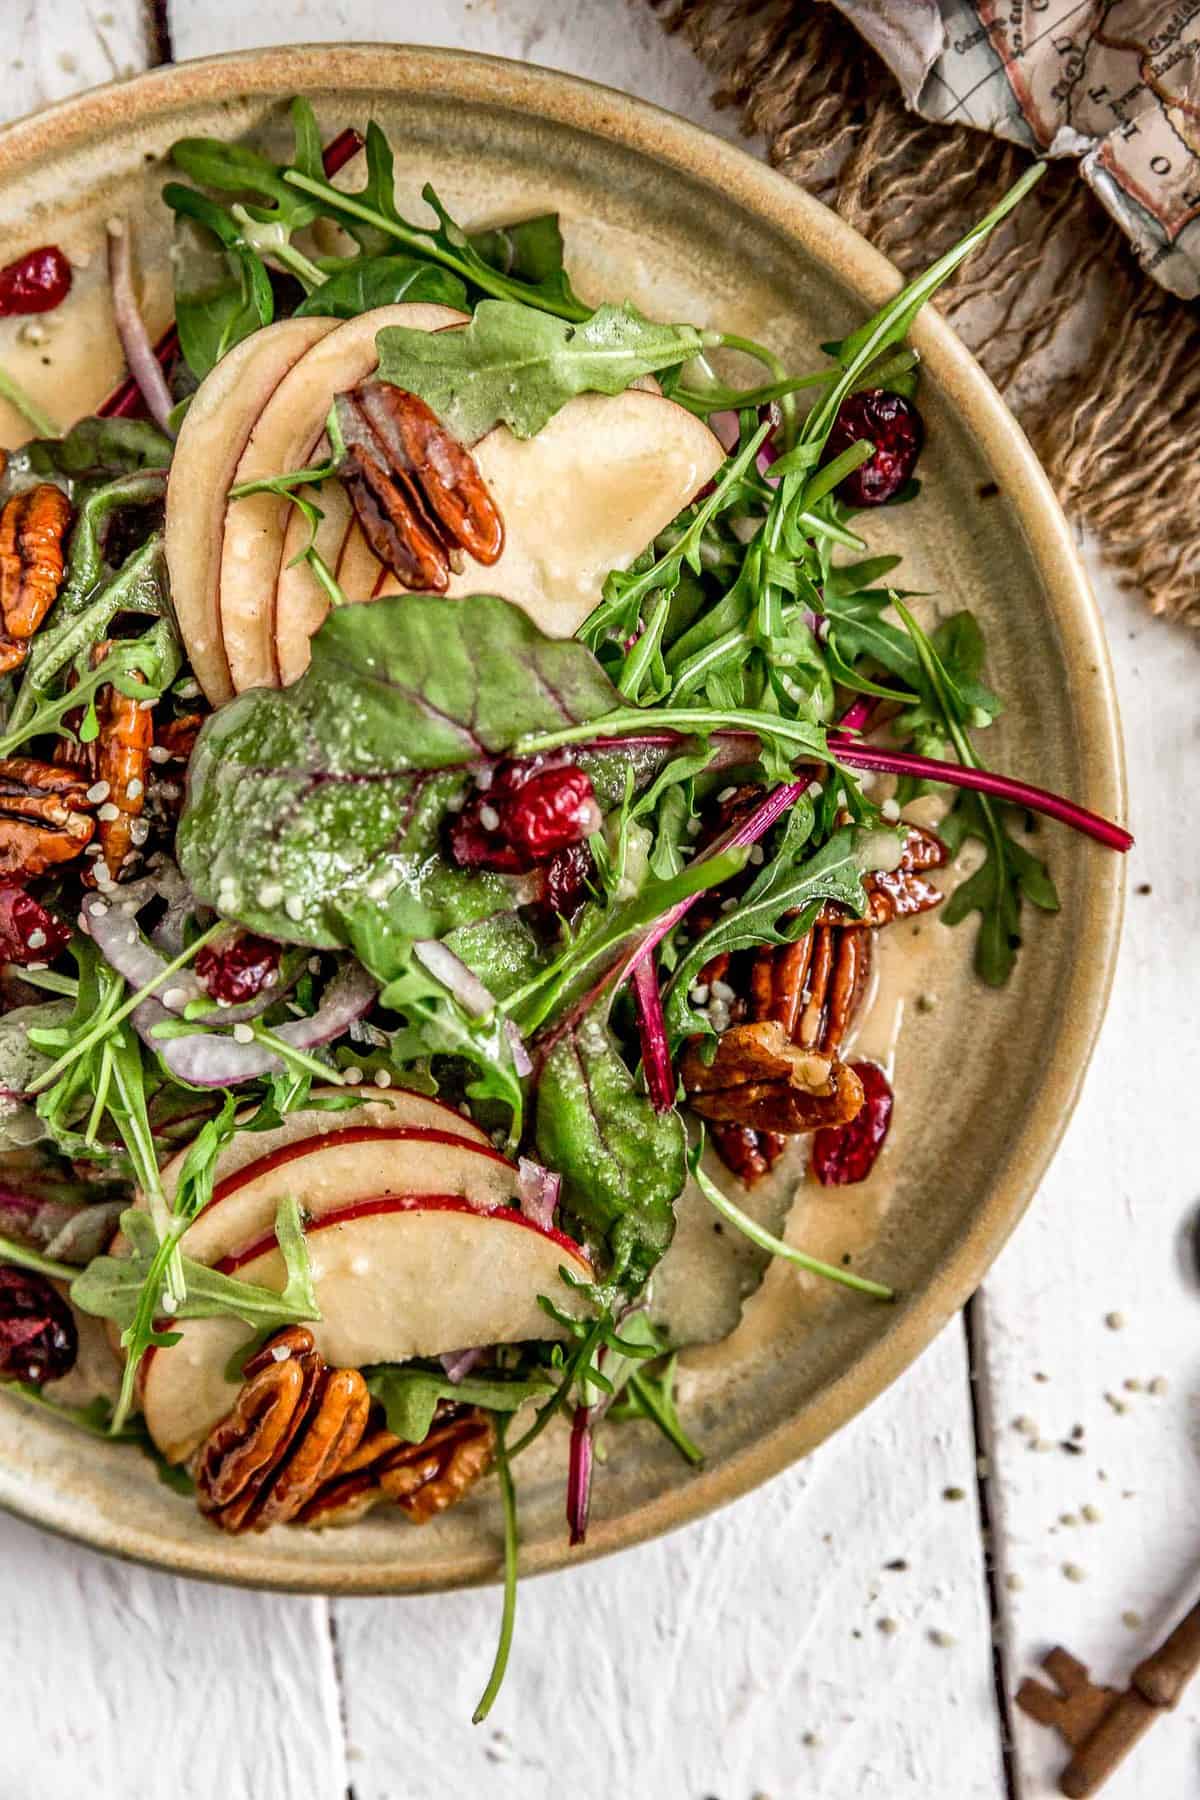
column 688, row 149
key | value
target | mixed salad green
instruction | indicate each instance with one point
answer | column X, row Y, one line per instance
column 462, row 862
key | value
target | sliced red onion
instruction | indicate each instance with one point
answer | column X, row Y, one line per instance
column 112, row 925
column 131, row 328
column 458, row 1363
column 522, row 1062
column 538, row 1190
column 455, row 977
column 172, row 887
column 580, row 1463
column 210, row 1059
column 652, row 1029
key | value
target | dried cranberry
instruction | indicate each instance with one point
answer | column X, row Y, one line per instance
column 565, row 880
column 28, row 933
column 38, row 1339
column 842, row 1154
column 528, row 812
column 238, row 969
column 36, row 283
column 896, row 429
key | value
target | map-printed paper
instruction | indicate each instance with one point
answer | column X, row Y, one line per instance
column 1115, row 83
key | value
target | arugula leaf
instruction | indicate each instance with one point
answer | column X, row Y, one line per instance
column 623, row 1164
column 436, row 1025
column 365, row 282
column 326, row 797
column 113, row 1287
column 1007, row 873
column 532, row 250
column 517, row 366
column 750, row 1228
column 643, row 1394
column 410, row 1396
column 777, row 908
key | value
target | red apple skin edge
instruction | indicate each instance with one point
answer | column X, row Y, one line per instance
column 353, row 1134
column 504, row 1215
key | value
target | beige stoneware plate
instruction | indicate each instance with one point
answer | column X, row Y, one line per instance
column 688, row 227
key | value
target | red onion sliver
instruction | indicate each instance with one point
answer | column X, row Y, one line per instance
column 458, row 1363
column 538, row 1189
column 210, row 1059
column 455, row 976
column 131, row 328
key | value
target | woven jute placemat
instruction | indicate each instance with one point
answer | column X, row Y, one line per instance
column 1101, row 366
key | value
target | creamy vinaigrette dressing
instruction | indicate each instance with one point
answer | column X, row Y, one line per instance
column 714, row 1291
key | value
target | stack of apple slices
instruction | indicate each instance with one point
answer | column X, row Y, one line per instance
column 415, row 1240
column 582, row 497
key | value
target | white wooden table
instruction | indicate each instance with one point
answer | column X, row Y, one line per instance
column 849, row 1630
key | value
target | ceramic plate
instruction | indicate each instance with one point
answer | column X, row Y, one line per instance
column 687, row 227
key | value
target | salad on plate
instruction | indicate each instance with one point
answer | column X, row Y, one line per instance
column 460, row 767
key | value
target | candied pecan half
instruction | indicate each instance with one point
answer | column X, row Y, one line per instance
column 421, row 1479
column 123, row 758
column 415, row 443
column 898, row 893
column 838, row 973
column 394, row 525
column 42, row 815
column 759, row 1078
column 33, row 527
column 299, row 1445
column 417, row 492
column 178, row 736
column 240, row 1453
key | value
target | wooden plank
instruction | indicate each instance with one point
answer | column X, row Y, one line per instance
column 121, row 1682
column 1111, row 1233
column 746, row 1655
column 604, row 40
column 53, row 51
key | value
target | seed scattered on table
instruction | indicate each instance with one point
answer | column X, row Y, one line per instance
column 1132, row 1385
column 1132, row 1620
column 941, row 1640
column 1073, row 1572
column 1117, row 1405
column 954, row 1493
column 1158, row 1386
column 1068, row 1518
column 1091, row 1513
column 1013, row 1583
column 888, row 1627
column 1115, row 1321
column 1025, row 1425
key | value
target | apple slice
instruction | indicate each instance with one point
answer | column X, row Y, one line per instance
column 306, row 1130
column 597, row 484
column 327, row 1173
column 298, row 593
column 211, row 440
column 286, row 435
column 395, row 1279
